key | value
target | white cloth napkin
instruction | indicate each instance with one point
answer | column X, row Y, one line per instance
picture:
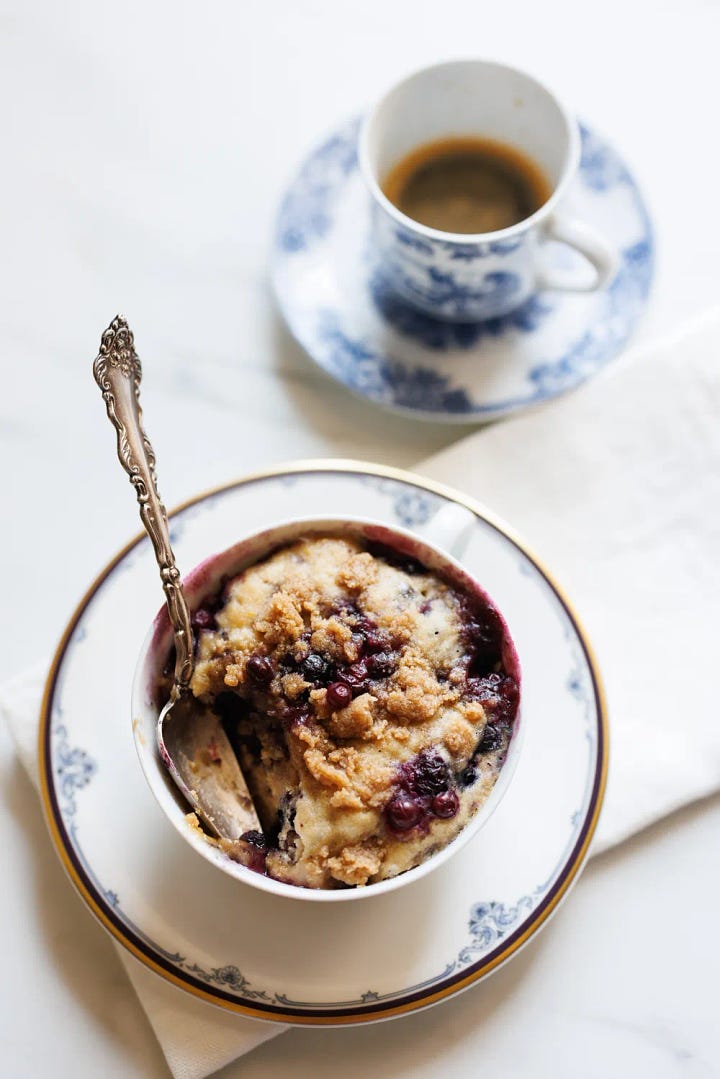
column 617, row 488
column 196, row 1038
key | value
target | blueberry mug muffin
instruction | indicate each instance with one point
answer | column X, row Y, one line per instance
column 370, row 702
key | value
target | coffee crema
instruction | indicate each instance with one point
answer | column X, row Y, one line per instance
column 467, row 184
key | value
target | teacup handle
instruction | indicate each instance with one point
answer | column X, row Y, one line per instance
column 598, row 252
column 450, row 529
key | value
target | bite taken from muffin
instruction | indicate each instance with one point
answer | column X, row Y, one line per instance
column 370, row 702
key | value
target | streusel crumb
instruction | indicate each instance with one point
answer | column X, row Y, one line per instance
column 368, row 702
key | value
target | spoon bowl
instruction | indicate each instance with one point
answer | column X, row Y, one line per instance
column 197, row 753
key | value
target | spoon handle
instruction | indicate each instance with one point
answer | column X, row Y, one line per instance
column 118, row 372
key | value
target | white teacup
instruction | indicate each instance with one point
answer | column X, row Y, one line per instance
column 444, row 536
column 469, row 277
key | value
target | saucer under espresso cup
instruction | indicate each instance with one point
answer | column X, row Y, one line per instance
column 461, row 276
column 339, row 308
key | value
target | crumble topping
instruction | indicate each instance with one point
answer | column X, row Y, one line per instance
column 367, row 702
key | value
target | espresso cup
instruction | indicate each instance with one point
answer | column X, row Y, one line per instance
column 464, row 277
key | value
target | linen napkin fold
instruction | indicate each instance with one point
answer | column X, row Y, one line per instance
column 617, row 488
column 196, row 1038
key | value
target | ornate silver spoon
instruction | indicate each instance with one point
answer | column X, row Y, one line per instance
column 215, row 788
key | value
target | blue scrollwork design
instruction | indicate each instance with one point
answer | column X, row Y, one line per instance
column 579, row 686
column 365, row 371
column 416, row 243
column 600, row 168
column 410, row 506
column 73, row 769
column 444, row 291
column 413, row 508
column 489, row 923
column 306, row 214
column 228, row 977
column 470, row 252
column 626, row 296
column 440, row 335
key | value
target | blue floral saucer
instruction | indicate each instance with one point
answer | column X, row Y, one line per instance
column 339, row 310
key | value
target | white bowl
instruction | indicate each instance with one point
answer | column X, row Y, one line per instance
column 447, row 529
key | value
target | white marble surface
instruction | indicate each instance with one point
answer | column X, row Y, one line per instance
column 145, row 147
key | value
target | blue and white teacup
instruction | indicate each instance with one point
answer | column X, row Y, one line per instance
column 463, row 277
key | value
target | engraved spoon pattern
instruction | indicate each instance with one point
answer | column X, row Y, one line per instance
column 210, row 779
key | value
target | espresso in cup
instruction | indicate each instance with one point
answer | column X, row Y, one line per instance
column 467, row 164
column 467, row 184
